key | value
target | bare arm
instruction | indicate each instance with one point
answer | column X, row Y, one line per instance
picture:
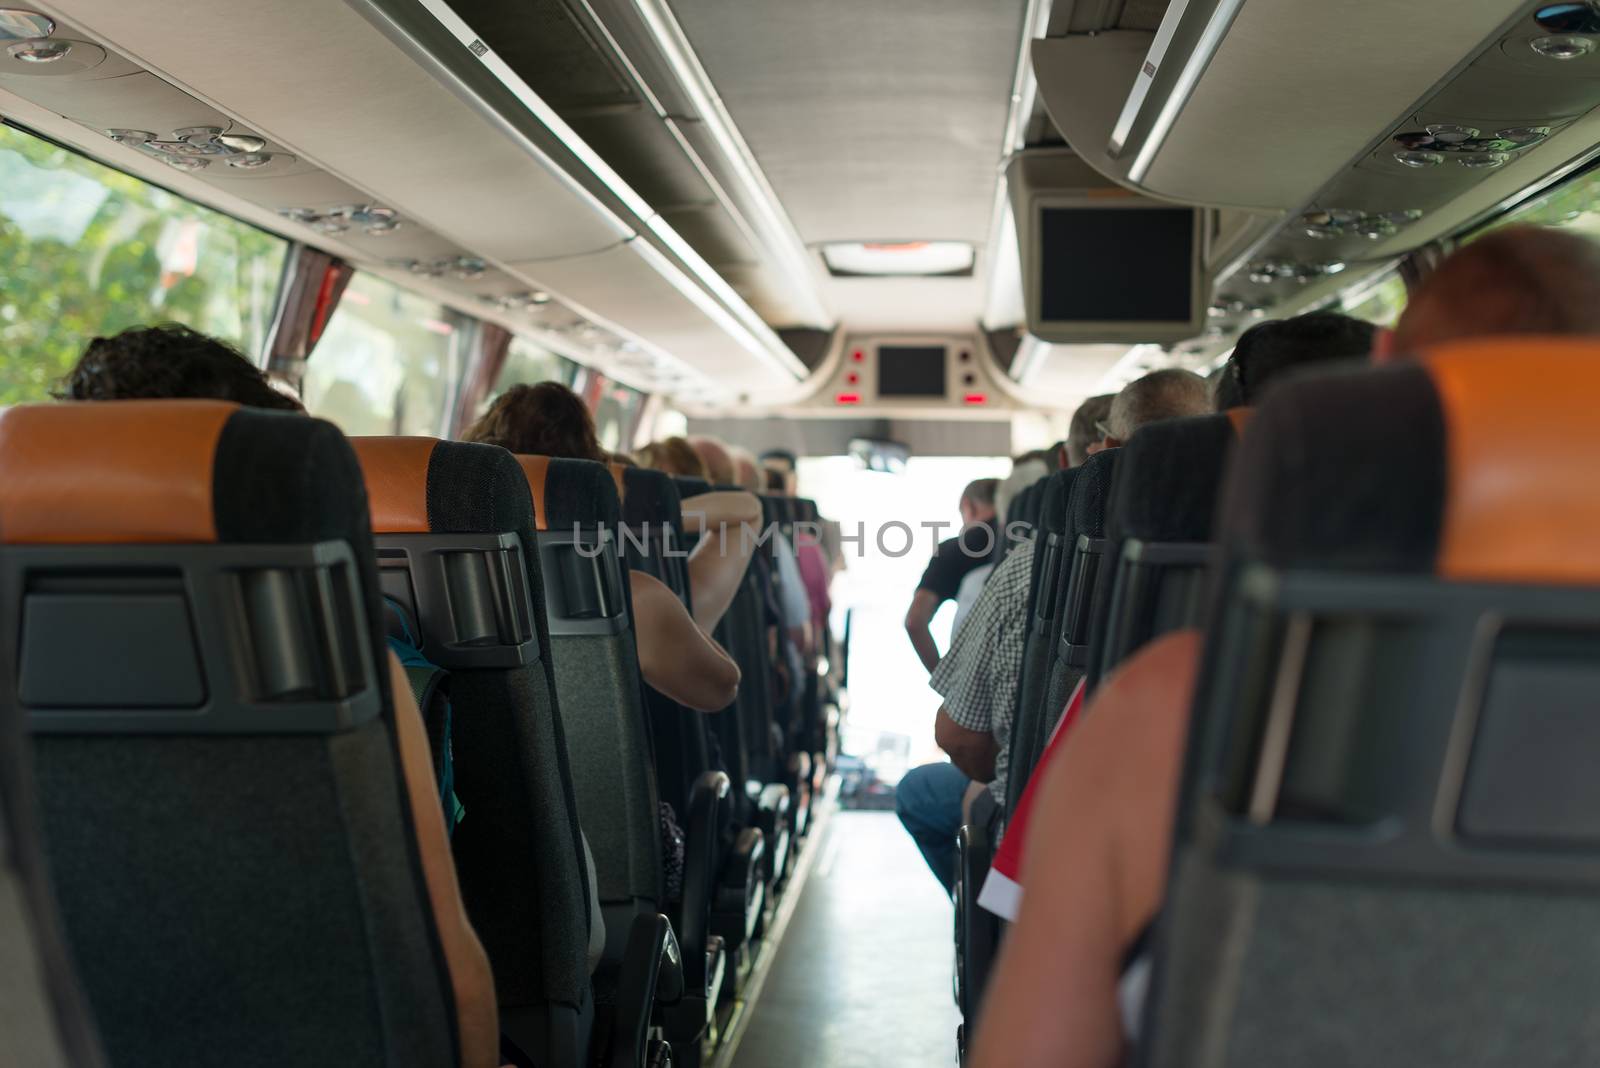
column 470, row 978
column 924, row 603
column 717, row 565
column 676, row 656
column 971, row 751
column 1094, row 870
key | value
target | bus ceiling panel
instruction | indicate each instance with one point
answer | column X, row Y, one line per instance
column 1262, row 110
column 1254, row 284
column 619, row 287
column 137, row 101
column 338, row 92
column 940, row 304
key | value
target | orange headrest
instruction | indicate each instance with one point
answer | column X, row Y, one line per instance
column 536, row 468
column 1523, row 447
column 1240, row 418
column 396, row 472
column 105, row 472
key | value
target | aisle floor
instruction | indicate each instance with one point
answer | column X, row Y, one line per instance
column 862, row 976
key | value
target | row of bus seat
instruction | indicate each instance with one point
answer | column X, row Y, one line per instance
column 1120, row 547
column 239, row 809
column 1386, row 835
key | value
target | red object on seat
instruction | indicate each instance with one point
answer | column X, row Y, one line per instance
column 1002, row 890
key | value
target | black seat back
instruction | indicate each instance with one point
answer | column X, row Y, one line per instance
column 1163, row 504
column 42, row 1012
column 597, row 679
column 220, row 784
column 1044, row 619
column 1388, row 845
column 1078, row 586
column 454, row 526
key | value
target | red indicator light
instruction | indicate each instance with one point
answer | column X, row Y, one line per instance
column 848, row 398
column 858, row 356
column 976, row 398
column 852, row 378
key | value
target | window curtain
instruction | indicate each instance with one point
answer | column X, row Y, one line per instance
column 493, row 346
column 315, row 282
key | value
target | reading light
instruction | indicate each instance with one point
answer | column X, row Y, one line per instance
column 186, row 163
column 20, row 24
column 40, row 50
column 1523, row 135
column 1450, row 134
column 195, row 141
column 250, row 161
column 136, row 138
column 241, row 142
column 1484, row 161
column 1562, row 46
column 1334, row 223
column 1418, row 160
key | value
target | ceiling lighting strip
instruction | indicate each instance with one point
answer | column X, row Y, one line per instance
column 778, row 232
column 1199, row 59
column 689, row 273
column 1024, row 89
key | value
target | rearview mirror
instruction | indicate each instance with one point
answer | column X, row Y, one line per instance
column 875, row 454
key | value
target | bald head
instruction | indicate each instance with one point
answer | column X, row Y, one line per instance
column 1520, row 280
column 1167, row 394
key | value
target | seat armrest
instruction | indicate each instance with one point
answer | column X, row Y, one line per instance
column 702, row 837
column 651, row 970
column 977, row 930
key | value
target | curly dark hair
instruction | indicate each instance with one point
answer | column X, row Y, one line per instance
column 170, row 361
column 543, row 420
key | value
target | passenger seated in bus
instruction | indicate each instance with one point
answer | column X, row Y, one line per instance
column 974, row 546
column 1098, row 847
column 672, row 456
column 1083, row 435
column 677, row 655
column 1266, row 350
column 979, row 677
column 170, row 361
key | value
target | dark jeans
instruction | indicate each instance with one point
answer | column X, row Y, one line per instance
column 928, row 802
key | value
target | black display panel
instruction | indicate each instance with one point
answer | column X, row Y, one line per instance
column 1116, row 265
column 911, row 371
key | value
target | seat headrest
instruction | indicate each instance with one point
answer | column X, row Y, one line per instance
column 568, row 492
column 396, row 470
column 174, row 472
column 690, row 486
column 1057, row 488
column 650, row 497
column 1474, row 462
column 1169, row 478
column 430, row 486
column 1087, row 503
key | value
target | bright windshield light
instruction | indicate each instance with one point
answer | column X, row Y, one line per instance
column 888, row 259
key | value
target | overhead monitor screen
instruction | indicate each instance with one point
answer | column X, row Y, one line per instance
column 911, row 371
column 1116, row 265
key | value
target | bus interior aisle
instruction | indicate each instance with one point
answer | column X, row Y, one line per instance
column 766, row 533
column 855, row 981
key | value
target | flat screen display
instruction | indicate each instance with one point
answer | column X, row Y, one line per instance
column 1116, row 265
column 911, row 371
